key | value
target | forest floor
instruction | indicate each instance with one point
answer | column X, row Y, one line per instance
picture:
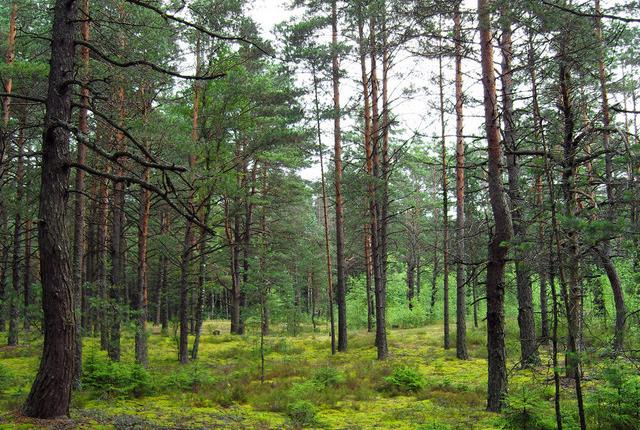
column 304, row 385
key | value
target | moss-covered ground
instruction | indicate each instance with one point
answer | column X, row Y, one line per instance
column 303, row 386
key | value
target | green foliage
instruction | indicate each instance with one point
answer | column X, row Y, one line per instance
column 328, row 377
column 615, row 405
column 116, row 379
column 6, row 378
column 526, row 411
column 302, row 413
column 403, row 380
column 192, row 377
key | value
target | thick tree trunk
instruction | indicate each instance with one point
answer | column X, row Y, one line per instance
column 502, row 231
column 50, row 394
column 341, row 282
column 461, row 293
column 526, row 319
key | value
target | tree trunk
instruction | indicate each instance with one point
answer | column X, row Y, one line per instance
column 605, row 253
column 376, row 241
column 78, row 228
column 340, row 261
column 4, row 143
column 526, row 319
column 461, row 294
column 325, row 214
column 50, row 394
column 445, row 202
column 27, row 275
column 502, row 231
column 368, row 254
column 14, row 298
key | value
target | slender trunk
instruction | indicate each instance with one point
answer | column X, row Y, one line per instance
column 202, row 247
column 367, row 146
column 325, row 215
column 14, row 298
column 605, row 253
column 502, row 231
column 526, row 319
column 570, row 284
column 163, row 286
column 142, row 281
column 540, row 139
column 376, row 240
column 50, row 393
column 445, row 201
column 27, row 275
column 461, row 294
column 4, row 143
column 340, row 241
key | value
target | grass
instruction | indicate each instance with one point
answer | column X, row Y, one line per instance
column 223, row 389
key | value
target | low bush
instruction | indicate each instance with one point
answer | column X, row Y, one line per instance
column 328, row 377
column 302, row 413
column 117, row 379
column 403, row 380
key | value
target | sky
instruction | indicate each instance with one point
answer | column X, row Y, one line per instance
column 417, row 114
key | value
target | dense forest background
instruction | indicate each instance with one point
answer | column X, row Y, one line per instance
column 422, row 210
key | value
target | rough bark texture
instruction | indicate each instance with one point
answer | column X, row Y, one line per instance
column 502, row 230
column 445, row 204
column 526, row 319
column 50, row 394
column 79, row 217
column 379, row 285
column 461, row 294
column 341, row 282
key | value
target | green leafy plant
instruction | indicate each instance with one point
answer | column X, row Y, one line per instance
column 328, row 377
column 403, row 380
column 117, row 379
column 302, row 413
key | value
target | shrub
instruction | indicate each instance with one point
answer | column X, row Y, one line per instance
column 403, row 380
column 117, row 379
column 328, row 377
column 302, row 413
column 525, row 412
column 191, row 378
column 616, row 404
column 6, row 378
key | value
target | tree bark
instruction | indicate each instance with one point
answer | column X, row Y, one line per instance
column 502, row 231
column 325, row 214
column 50, row 394
column 605, row 253
column 461, row 294
column 337, row 136
column 14, row 299
column 526, row 319
column 445, row 202
column 376, row 241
